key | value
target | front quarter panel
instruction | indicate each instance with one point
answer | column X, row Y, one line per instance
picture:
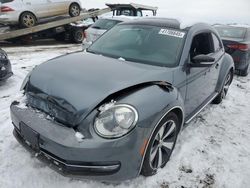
column 151, row 103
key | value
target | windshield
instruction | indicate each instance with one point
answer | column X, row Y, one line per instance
column 105, row 24
column 231, row 32
column 143, row 44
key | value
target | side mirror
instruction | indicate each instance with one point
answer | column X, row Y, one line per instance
column 202, row 61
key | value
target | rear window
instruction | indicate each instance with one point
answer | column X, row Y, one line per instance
column 105, row 24
column 6, row 1
column 231, row 32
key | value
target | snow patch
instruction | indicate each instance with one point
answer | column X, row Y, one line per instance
column 22, row 100
column 79, row 136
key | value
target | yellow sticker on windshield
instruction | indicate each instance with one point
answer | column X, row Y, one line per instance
column 172, row 33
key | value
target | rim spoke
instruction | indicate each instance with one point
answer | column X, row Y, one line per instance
column 170, row 130
column 226, row 90
column 153, row 153
column 168, row 145
column 159, row 158
column 228, row 79
column 161, row 131
column 226, row 86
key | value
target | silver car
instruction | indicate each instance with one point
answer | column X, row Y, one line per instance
column 27, row 13
column 101, row 26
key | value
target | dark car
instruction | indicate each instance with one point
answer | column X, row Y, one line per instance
column 236, row 40
column 116, row 110
column 5, row 66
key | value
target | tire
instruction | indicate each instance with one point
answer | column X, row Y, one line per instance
column 244, row 72
column 159, row 150
column 74, row 10
column 27, row 19
column 77, row 36
column 224, row 91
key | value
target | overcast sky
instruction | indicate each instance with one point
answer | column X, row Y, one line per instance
column 211, row 11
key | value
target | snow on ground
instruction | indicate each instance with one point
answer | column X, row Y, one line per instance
column 213, row 151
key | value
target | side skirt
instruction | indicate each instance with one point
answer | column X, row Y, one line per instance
column 200, row 108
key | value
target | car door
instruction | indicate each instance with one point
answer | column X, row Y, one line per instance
column 199, row 84
column 214, row 70
column 39, row 7
column 59, row 7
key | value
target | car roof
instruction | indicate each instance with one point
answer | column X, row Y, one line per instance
column 233, row 25
column 121, row 18
column 156, row 21
column 171, row 23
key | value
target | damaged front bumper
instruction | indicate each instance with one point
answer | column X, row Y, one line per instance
column 67, row 168
column 111, row 160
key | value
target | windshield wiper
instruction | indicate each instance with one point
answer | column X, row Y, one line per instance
column 96, row 27
column 91, row 51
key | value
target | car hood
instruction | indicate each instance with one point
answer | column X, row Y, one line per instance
column 78, row 82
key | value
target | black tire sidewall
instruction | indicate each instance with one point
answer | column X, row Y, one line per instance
column 146, row 168
column 74, row 36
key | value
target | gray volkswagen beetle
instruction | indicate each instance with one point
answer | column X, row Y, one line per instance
column 115, row 111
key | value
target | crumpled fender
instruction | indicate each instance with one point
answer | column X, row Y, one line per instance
column 129, row 92
column 151, row 99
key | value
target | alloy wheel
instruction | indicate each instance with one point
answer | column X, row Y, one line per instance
column 226, row 85
column 163, row 145
column 74, row 10
column 28, row 20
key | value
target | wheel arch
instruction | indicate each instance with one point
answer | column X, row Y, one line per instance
column 226, row 66
column 178, row 110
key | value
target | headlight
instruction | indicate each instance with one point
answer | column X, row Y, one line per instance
column 115, row 120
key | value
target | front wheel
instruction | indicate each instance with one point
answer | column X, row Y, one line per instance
column 161, row 145
column 225, row 88
column 74, row 10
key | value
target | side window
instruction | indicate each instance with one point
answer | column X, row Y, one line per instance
column 147, row 13
column 201, row 44
column 217, row 43
column 139, row 13
column 126, row 12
